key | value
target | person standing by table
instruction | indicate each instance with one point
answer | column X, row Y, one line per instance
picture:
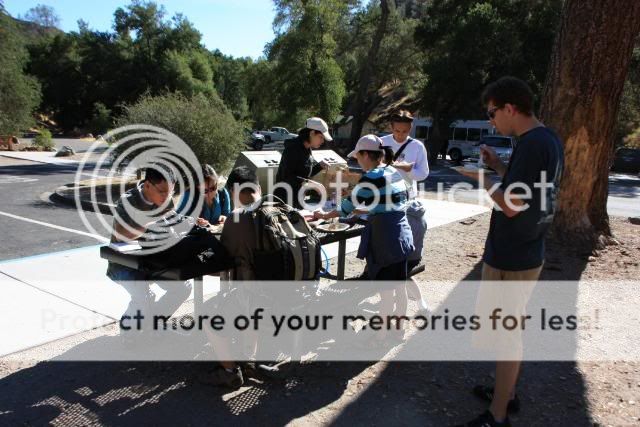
column 514, row 250
column 297, row 163
column 387, row 240
column 411, row 160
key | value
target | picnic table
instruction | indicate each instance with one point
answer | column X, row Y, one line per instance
column 156, row 271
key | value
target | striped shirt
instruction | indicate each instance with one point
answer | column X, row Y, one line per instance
column 380, row 190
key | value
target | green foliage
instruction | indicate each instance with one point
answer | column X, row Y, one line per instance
column 101, row 121
column 43, row 15
column 43, row 140
column 628, row 125
column 306, row 73
column 20, row 93
column 145, row 54
column 470, row 43
column 204, row 123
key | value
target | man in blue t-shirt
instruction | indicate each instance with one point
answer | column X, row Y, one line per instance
column 514, row 251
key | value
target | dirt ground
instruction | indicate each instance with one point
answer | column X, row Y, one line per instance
column 397, row 393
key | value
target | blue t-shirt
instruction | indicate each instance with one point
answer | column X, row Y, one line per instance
column 517, row 243
column 221, row 206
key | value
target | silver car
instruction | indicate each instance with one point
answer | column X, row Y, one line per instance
column 503, row 146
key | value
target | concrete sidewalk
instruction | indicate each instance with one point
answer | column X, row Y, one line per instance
column 47, row 157
column 52, row 296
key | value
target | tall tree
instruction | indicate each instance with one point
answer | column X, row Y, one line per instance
column 469, row 44
column 43, row 15
column 19, row 92
column 365, row 99
column 304, row 51
column 581, row 100
column 380, row 59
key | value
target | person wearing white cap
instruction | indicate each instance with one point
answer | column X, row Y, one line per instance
column 297, row 163
column 387, row 240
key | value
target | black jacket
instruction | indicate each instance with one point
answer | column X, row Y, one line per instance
column 296, row 162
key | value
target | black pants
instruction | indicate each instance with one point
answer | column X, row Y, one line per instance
column 397, row 271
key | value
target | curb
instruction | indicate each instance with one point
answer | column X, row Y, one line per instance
column 65, row 195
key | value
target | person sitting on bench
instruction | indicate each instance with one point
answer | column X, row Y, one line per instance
column 131, row 221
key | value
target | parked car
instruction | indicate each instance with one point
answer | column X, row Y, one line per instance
column 277, row 134
column 503, row 146
column 254, row 140
column 626, row 160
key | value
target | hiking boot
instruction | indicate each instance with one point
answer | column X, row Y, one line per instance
column 486, row 393
column 222, row 377
column 486, row 420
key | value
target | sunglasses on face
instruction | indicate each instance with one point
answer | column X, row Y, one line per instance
column 491, row 113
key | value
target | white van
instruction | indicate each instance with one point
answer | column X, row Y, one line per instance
column 465, row 135
column 421, row 129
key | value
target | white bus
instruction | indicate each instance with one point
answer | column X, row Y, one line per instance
column 465, row 134
column 421, row 129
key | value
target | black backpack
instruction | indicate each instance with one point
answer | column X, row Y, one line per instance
column 287, row 248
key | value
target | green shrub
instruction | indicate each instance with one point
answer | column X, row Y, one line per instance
column 100, row 122
column 43, row 140
column 204, row 123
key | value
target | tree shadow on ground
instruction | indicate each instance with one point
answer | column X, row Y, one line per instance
column 439, row 393
column 410, row 393
column 167, row 393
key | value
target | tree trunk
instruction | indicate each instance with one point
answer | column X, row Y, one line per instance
column 363, row 102
column 580, row 101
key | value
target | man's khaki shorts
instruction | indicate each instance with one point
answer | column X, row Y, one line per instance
column 508, row 291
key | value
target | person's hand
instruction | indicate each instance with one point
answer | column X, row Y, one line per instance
column 471, row 173
column 489, row 156
column 202, row 222
column 319, row 215
column 403, row 166
column 222, row 219
column 324, row 165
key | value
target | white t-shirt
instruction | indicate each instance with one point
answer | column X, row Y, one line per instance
column 415, row 153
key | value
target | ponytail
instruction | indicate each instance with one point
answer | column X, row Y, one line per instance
column 388, row 155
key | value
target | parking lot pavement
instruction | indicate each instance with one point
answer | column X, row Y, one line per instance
column 54, row 295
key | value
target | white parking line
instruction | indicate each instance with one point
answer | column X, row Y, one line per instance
column 57, row 227
column 11, row 179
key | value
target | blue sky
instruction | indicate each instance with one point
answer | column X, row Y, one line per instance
column 235, row 27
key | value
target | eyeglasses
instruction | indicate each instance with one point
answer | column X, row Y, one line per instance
column 491, row 113
column 210, row 190
column 162, row 192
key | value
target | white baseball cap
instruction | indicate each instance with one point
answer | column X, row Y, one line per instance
column 367, row 143
column 316, row 123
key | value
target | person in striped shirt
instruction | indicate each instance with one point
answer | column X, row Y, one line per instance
column 387, row 240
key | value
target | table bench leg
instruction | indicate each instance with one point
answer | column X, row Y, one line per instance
column 342, row 251
column 198, row 295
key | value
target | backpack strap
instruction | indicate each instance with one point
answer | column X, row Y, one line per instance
column 395, row 156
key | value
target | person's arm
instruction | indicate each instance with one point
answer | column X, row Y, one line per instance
column 182, row 206
column 127, row 233
column 523, row 173
column 420, row 169
column 225, row 200
column 498, row 196
column 316, row 168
